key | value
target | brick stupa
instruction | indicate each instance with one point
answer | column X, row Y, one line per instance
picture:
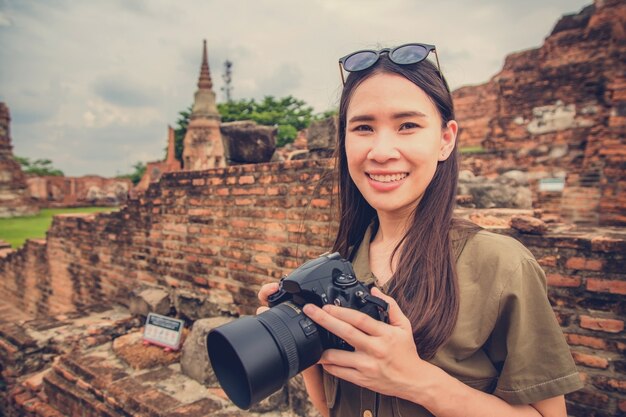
column 203, row 147
column 14, row 197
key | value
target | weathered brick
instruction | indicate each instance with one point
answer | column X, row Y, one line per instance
column 590, row 360
column 589, row 341
column 601, row 324
column 246, row 179
column 547, row 261
column 558, row 280
column 585, row 264
column 606, row 285
column 320, row 203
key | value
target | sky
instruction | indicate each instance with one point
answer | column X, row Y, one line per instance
column 92, row 85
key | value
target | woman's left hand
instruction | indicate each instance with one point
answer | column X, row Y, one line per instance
column 385, row 359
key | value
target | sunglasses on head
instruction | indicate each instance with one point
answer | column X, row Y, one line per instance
column 410, row 53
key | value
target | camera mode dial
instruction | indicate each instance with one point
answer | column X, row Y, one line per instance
column 344, row 280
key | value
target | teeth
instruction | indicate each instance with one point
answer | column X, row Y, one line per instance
column 388, row 178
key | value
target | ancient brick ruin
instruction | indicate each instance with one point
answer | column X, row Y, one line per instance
column 559, row 111
column 88, row 190
column 155, row 169
column 14, row 197
column 198, row 244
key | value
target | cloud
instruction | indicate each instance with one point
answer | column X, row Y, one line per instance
column 5, row 20
column 119, row 90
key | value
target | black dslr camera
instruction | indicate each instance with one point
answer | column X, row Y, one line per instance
column 255, row 356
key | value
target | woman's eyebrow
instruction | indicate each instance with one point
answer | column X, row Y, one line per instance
column 404, row 114
column 401, row 115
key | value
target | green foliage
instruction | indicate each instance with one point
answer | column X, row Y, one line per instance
column 179, row 132
column 38, row 167
column 286, row 134
column 288, row 114
column 135, row 176
column 326, row 114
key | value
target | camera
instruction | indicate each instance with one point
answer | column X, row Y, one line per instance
column 254, row 356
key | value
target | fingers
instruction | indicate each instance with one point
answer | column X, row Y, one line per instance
column 261, row 310
column 336, row 326
column 355, row 318
column 267, row 290
column 396, row 316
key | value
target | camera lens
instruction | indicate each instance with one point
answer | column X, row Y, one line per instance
column 253, row 357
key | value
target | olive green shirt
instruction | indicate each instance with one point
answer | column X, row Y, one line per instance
column 506, row 341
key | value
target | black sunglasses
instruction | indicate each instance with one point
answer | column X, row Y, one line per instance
column 410, row 53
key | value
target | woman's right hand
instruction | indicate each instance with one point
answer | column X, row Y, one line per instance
column 265, row 291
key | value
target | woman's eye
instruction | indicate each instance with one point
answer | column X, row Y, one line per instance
column 409, row 125
column 362, row 128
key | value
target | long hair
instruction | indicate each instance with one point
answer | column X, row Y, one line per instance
column 424, row 282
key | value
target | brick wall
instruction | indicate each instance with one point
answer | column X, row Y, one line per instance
column 220, row 234
column 229, row 229
column 586, row 274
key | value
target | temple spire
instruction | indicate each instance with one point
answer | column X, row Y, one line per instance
column 205, row 76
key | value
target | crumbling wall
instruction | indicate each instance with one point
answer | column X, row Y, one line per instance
column 559, row 111
column 221, row 233
column 211, row 238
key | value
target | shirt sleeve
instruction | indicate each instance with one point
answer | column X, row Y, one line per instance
column 527, row 345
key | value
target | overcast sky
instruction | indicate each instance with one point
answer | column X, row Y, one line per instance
column 93, row 85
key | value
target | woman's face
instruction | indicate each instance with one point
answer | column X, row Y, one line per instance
column 394, row 140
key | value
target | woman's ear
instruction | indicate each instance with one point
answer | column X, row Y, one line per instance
column 448, row 139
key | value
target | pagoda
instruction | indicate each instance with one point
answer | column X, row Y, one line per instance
column 202, row 145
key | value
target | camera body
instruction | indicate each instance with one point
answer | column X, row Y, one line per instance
column 328, row 279
column 255, row 356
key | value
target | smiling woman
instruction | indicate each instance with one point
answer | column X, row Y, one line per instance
column 469, row 315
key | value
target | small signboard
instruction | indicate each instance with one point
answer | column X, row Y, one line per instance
column 163, row 331
column 552, row 184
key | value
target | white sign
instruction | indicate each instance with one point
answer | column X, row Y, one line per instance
column 552, row 184
column 163, row 331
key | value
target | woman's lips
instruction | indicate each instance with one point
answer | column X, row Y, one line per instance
column 386, row 182
column 388, row 177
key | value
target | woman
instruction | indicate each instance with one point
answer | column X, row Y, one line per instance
column 470, row 332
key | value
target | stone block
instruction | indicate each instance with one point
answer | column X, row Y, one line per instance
column 322, row 134
column 527, row 224
column 248, row 142
column 194, row 305
column 150, row 300
column 194, row 360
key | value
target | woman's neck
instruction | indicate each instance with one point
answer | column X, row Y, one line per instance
column 391, row 228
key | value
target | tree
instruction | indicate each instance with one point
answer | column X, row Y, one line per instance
column 39, row 167
column 179, row 133
column 137, row 174
column 288, row 114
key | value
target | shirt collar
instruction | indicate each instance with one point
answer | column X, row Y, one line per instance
column 361, row 260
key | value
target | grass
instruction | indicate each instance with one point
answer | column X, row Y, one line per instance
column 16, row 230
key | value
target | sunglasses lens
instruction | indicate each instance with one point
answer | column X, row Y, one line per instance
column 360, row 61
column 409, row 54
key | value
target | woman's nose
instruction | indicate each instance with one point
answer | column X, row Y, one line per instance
column 383, row 148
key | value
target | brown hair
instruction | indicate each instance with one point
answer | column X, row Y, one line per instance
column 424, row 283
